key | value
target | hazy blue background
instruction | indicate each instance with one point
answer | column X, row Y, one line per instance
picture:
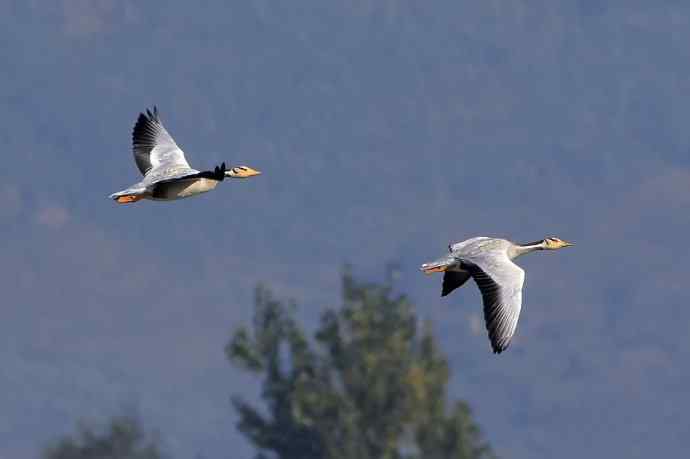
column 385, row 129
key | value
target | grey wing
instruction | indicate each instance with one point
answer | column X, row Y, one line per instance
column 168, row 174
column 153, row 147
column 500, row 282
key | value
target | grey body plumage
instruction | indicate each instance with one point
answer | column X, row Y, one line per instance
column 489, row 261
column 167, row 174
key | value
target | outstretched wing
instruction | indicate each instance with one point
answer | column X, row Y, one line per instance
column 500, row 282
column 153, row 147
column 453, row 280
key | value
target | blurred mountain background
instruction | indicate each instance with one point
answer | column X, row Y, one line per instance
column 385, row 130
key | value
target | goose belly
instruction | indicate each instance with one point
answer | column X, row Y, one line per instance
column 182, row 189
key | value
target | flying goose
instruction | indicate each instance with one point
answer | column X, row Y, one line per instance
column 489, row 261
column 167, row 174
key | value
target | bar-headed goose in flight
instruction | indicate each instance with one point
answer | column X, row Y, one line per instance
column 167, row 175
column 489, row 261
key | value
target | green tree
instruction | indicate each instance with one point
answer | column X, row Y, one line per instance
column 123, row 438
column 370, row 385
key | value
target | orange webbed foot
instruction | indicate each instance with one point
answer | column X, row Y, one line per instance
column 127, row 199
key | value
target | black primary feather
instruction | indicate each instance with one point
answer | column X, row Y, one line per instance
column 144, row 138
column 453, row 280
column 495, row 313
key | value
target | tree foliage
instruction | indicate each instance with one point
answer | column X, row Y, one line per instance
column 123, row 438
column 370, row 384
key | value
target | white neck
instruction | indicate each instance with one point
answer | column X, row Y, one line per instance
column 521, row 249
